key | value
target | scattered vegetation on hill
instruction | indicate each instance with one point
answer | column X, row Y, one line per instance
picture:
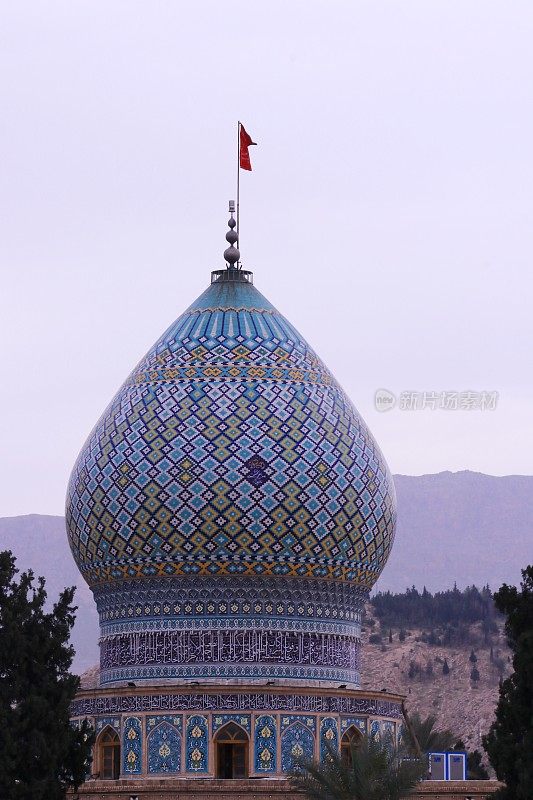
column 445, row 618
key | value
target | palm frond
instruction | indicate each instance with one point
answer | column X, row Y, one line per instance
column 376, row 772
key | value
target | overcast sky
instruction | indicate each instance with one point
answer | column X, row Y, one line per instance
column 388, row 215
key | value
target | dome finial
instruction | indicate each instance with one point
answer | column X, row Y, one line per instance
column 231, row 253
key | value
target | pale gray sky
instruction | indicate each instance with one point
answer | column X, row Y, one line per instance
column 389, row 215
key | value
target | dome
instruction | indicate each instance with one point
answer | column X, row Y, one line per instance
column 230, row 510
column 231, row 450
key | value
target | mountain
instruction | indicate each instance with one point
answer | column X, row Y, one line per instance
column 462, row 527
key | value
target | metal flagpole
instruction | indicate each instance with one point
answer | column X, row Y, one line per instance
column 238, row 181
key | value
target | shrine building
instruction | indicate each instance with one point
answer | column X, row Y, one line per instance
column 230, row 512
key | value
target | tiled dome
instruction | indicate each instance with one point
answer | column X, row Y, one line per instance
column 231, row 450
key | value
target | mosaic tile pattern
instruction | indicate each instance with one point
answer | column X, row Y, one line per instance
column 231, row 450
column 265, row 744
column 164, row 744
column 105, row 722
column 223, row 601
column 358, row 722
column 297, row 743
column 290, row 719
column 329, row 736
column 271, row 733
column 219, row 720
column 197, row 749
column 132, row 746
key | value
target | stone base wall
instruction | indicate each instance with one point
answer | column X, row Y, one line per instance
column 261, row 789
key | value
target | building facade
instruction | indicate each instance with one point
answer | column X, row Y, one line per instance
column 231, row 512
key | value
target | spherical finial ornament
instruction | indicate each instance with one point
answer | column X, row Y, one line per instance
column 232, row 254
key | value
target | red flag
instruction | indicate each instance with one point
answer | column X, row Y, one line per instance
column 244, row 155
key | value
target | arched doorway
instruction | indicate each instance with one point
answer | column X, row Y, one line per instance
column 231, row 752
column 109, row 755
column 350, row 740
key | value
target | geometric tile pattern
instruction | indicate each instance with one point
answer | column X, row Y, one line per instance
column 164, row 744
column 231, row 450
column 132, row 746
column 265, row 748
column 221, row 601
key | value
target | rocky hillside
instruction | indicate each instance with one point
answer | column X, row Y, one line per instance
column 415, row 668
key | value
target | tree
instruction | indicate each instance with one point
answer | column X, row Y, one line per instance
column 472, row 657
column 401, row 635
column 475, row 768
column 414, row 669
column 428, row 737
column 445, row 667
column 390, row 635
column 375, row 772
column 509, row 743
column 474, row 764
column 41, row 753
column 474, row 675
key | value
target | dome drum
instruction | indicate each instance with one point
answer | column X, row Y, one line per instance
column 220, row 627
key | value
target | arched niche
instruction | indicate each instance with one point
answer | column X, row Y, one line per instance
column 107, row 751
column 232, row 745
column 351, row 740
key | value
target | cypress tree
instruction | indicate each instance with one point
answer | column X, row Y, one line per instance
column 509, row 743
column 41, row 754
